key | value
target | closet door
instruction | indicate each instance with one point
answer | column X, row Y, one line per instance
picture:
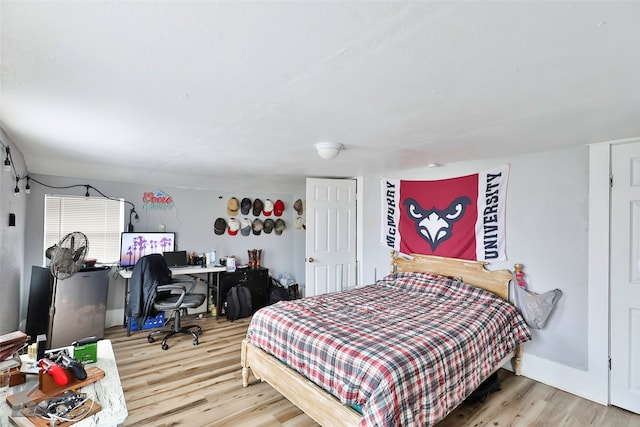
column 625, row 277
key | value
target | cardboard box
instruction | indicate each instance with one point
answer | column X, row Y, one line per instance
column 87, row 353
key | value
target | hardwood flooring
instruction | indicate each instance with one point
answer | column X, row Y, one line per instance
column 193, row 386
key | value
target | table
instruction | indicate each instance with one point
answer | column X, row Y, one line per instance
column 178, row 271
column 106, row 391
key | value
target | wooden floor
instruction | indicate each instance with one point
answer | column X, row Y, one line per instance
column 201, row 385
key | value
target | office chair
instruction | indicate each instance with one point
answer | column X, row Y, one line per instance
column 165, row 293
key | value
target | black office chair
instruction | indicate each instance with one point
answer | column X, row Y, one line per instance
column 159, row 290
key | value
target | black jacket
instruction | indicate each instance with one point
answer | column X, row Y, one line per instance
column 149, row 272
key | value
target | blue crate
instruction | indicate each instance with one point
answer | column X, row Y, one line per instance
column 150, row 323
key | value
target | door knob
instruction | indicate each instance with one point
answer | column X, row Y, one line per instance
column 310, row 259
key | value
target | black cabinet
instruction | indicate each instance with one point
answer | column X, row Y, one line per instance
column 256, row 279
column 40, row 293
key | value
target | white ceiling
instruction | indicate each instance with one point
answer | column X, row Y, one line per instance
column 189, row 91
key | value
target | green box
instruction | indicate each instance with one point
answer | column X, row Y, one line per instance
column 87, row 353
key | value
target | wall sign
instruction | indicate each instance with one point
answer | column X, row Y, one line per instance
column 156, row 200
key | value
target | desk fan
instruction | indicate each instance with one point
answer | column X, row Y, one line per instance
column 67, row 257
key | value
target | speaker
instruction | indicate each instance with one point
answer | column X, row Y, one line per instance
column 41, row 342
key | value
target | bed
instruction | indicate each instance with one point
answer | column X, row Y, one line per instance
column 404, row 351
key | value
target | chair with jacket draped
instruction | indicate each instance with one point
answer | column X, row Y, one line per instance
column 153, row 289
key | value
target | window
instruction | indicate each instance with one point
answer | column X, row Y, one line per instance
column 100, row 219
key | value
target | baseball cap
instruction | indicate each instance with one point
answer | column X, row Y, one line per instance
column 245, row 206
column 268, row 207
column 257, row 207
column 268, row 225
column 245, row 227
column 257, row 226
column 297, row 205
column 219, row 226
column 232, row 206
column 299, row 224
column 234, row 226
column 278, row 208
column 280, row 226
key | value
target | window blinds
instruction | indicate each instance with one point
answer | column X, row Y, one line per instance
column 100, row 219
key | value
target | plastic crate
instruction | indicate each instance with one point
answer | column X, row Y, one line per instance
column 150, row 323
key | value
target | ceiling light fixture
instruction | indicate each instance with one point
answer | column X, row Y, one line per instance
column 328, row 150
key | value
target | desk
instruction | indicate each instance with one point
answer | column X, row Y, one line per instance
column 106, row 391
column 178, row 271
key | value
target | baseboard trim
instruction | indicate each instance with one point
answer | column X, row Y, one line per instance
column 585, row 384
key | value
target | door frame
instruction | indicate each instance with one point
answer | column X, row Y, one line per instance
column 599, row 267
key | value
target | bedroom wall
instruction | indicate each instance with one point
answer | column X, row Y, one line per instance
column 547, row 219
column 11, row 243
column 192, row 218
column 547, row 222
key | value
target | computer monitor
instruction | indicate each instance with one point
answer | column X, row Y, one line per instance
column 135, row 245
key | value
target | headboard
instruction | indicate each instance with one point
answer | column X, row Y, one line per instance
column 471, row 272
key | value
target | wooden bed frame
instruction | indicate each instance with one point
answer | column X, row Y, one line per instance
column 325, row 408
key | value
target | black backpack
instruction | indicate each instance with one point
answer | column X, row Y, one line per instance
column 481, row 393
column 277, row 292
column 239, row 302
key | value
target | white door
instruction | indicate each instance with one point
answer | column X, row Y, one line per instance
column 331, row 235
column 625, row 277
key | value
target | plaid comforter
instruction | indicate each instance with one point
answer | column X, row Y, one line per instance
column 407, row 349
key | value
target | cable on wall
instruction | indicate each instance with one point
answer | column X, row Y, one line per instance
column 9, row 166
column 87, row 187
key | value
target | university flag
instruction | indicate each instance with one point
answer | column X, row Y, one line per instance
column 461, row 217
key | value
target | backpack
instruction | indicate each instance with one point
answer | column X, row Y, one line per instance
column 277, row 292
column 239, row 302
column 481, row 393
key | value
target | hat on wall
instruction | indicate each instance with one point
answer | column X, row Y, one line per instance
column 257, row 226
column 297, row 205
column 234, row 226
column 245, row 227
column 280, row 226
column 219, row 226
column 245, row 206
column 232, row 206
column 278, row 208
column 268, row 225
column 257, row 207
column 300, row 224
column 268, row 207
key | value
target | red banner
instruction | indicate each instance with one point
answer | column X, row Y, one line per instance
column 461, row 217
